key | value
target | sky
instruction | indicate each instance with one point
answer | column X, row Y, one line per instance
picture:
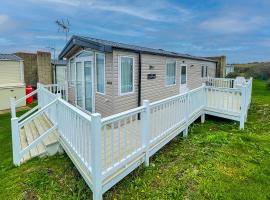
column 236, row 28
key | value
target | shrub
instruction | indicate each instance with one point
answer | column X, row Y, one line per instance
column 232, row 75
column 268, row 84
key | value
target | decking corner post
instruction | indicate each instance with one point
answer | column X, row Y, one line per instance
column 38, row 95
column 13, row 107
column 96, row 155
column 185, row 133
column 204, row 100
column 145, row 130
column 243, row 107
column 15, row 140
column 66, row 92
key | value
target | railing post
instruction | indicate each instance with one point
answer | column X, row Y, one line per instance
column 15, row 140
column 185, row 133
column 38, row 95
column 13, row 107
column 66, row 90
column 204, row 102
column 96, row 163
column 145, row 119
column 243, row 107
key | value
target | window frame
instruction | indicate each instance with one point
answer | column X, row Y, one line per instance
column 204, row 71
column 167, row 62
column 104, row 68
column 183, row 65
column 119, row 75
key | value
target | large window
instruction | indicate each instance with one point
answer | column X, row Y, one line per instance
column 100, row 70
column 170, row 73
column 204, row 71
column 126, row 74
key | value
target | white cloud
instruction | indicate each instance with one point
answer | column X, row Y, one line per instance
column 3, row 19
column 118, row 32
column 5, row 42
column 232, row 24
column 62, row 2
column 6, row 23
column 51, row 37
column 143, row 12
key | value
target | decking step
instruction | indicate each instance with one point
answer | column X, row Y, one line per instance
column 42, row 130
column 30, row 138
column 24, row 144
column 49, row 124
column 41, row 148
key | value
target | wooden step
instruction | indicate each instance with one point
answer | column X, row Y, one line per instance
column 24, row 144
column 28, row 132
column 41, row 148
column 48, row 124
column 42, row 130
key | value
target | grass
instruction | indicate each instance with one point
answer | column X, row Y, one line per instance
column 216, row 161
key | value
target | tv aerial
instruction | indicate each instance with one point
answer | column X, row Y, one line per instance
column 63, row 26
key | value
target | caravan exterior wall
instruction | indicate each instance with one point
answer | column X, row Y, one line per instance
column 113, row 101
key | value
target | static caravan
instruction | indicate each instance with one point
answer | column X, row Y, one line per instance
column 110, row 77
column 59, row 68
column 11, row 80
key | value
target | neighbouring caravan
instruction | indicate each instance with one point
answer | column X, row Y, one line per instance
column 110, row 77
column 59, row 68
column 11, row 80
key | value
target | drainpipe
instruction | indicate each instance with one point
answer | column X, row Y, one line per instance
column 139, row 83
column 140, row 80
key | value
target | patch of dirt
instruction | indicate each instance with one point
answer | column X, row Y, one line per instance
column 30, row 195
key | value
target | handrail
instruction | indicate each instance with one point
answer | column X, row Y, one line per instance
column 26, row 96
column 175, row 97
column 75, row 109
column 28, row 113
column 119, row 116
column 37, row 113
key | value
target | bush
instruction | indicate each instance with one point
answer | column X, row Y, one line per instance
column 232, row 75
column 268, row 84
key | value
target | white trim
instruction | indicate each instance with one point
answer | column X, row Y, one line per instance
column 83, row 82
column 22, row 70
column 170, row 61
column 180, row 84
column 119, row 75
column 104, row 67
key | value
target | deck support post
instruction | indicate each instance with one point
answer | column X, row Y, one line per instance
column 202, row 118
column 145, row 130
column 15, row 140
column 243, row 107
column 96, row 155
column 185, row 132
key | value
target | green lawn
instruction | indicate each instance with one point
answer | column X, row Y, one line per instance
column 216, row 161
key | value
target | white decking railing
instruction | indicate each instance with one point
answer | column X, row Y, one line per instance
column 106, row 150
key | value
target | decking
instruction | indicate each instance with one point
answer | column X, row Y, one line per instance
column 105, row 150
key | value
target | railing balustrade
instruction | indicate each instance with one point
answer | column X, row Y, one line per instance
column 111, row 147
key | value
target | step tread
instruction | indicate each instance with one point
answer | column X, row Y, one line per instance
column 48, row 124
column 41, row 148
column 24, row 144
column 41, row 130
column 29, row 137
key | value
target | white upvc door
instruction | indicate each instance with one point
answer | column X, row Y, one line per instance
column 183, row 79
column 84, row 83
